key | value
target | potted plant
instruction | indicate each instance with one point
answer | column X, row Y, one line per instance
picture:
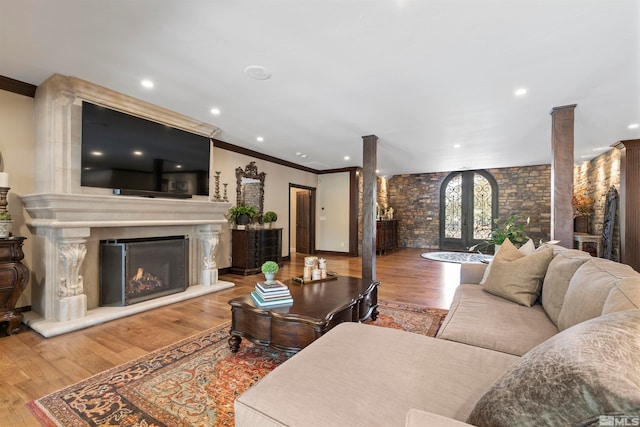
column 241, row 215
column 269, row 269
column 269, row 217
column 511, row 229
column 5, row 224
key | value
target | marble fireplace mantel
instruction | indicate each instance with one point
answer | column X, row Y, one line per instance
column 68, row 229
column 68, row 220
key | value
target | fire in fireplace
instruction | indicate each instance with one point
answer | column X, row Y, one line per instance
column 136, row 270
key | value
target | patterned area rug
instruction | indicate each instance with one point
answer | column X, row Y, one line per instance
column 191, row 383
column 458, row 257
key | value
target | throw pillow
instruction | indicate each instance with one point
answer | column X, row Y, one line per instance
column 518, row 277
column 574, row 378
column 556, row 281
column 527, row 249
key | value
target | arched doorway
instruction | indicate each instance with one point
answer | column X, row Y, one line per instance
column 468, row 205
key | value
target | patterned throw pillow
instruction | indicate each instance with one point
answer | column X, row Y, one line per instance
column 575, row 378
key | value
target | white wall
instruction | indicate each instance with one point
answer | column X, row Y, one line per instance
column 276, row 193
column 17, row 142
column 332, row 232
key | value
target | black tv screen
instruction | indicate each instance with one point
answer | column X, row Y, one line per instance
column 125, row 152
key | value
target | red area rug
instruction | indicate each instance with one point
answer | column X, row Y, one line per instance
column 191, row 383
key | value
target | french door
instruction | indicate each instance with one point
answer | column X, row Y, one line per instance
column 468, row 205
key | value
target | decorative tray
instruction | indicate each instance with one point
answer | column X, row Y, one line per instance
column 331, row 275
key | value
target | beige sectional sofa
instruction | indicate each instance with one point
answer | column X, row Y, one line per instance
column 570, row 358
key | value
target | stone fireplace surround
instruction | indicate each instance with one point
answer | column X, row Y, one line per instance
column 68, row 221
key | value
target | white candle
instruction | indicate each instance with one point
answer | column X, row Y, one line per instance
column 4, row 179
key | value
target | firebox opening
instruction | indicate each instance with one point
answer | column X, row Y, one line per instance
column 136, row 270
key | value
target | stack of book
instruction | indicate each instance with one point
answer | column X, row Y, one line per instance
column 271, row 294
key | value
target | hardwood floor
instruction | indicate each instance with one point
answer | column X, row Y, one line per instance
column 32, row 366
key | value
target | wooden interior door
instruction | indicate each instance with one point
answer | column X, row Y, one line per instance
column 303, row 222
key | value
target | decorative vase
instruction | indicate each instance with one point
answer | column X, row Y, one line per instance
column 581, row 224
column 270, row 277
column 5, row 229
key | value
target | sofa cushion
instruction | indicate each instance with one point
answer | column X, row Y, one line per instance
column 587, row 371
column 418, row 418
column 590, row 287
column 556, row 282
column 484, row 320
column 365, row 375
column 517, row 277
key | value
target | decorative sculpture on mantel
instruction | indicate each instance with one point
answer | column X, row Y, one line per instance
column 71, row 258
column 209, row 266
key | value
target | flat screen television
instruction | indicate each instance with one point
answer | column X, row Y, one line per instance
column 135, row 156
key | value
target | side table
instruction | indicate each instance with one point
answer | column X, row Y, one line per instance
column 14, row 277
column 588, row 238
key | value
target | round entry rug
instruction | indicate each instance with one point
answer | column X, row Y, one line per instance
column 458, row 257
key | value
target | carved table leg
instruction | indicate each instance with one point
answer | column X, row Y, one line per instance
column 14, row 324
column 234, row 343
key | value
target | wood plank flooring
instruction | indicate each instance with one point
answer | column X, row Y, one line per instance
column 32, row 366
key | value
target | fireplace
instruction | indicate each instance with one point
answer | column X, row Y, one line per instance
column 136, row 270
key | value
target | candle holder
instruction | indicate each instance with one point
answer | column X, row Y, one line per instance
column 3, row 198
column 225, row 198
column 216, row 194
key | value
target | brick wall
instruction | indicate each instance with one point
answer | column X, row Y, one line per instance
column 416, row 201
column 597, row 176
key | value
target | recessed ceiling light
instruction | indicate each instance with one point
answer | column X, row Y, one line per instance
column 347, row 157
column 377, row 170
column 257, row 72
column 456, row 146
column 146, row 83
column 215, row 111
column 178, row 166
column 137, row 153
column 298, row 153
column 97, row 153
column 304, row 156
column 634, row 126
column 520, row 92
column 259, row 139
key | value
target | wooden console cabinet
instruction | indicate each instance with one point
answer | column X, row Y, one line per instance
column 14, row 277
column 386, row 235
column 251, row 248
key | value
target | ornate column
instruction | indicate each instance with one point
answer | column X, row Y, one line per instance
column 209, row 266
column 71, row 302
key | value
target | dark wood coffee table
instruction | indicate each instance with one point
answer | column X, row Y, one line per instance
column 316, row 308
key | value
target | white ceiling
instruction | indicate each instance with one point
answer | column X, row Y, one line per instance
column 422, row 75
